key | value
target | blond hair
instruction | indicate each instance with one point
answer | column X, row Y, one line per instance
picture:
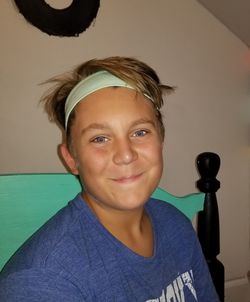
column 136, row 73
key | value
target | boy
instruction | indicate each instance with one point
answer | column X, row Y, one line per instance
column 112, row 242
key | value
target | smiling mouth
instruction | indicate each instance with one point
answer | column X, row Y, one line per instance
column 127, row 179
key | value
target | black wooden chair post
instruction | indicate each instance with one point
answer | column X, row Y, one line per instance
column 208, row 228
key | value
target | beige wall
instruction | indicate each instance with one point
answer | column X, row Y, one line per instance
column 190, row 49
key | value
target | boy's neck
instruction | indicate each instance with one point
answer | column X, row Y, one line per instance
column 132, row 227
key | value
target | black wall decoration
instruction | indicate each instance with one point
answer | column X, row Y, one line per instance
column 69, row 21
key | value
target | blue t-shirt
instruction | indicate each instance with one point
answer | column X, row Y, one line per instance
column 74, row 258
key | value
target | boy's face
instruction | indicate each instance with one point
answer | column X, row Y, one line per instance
column 116, row 148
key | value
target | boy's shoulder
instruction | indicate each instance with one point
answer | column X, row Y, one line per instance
column 57, row 233
column 167, row 219
column 166, row 211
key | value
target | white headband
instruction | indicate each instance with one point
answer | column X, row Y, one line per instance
column 89, row 85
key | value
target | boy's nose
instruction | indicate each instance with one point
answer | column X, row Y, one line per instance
column 124, row 153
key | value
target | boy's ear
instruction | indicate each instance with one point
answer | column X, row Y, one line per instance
column 68, row 159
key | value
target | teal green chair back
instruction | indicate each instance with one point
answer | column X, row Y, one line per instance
column 27, row 201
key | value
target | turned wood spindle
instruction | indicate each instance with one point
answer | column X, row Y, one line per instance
column 208, row 227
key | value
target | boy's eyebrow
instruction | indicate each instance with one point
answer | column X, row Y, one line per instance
column 105, row 126
column 143, row 121
column 95, row 126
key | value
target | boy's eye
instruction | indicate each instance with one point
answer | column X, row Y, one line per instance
column 140, row 133
column 99, row 139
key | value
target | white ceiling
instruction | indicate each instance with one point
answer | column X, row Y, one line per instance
column 234, row 14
